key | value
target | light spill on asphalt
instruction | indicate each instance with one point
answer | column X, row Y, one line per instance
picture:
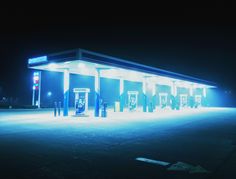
column 179, row 166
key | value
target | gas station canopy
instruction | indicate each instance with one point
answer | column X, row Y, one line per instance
column 84, row 62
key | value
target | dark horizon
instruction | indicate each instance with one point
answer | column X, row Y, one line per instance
column 194, row 46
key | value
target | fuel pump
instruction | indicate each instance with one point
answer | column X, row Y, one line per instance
column 81, row 101
column 132, row 100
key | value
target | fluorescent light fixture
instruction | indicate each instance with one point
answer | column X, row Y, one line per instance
column 83, row 69
column 81, row 65
column 52, row 66
column 111, row 73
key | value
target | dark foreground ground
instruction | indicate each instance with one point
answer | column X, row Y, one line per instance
column 40, row 146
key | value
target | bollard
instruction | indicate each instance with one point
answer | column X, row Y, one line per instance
column 150, row 107
column 104, row 110
column 59, row 108
column 55, row 109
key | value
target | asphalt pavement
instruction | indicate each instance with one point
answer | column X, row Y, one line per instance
column 34, row 144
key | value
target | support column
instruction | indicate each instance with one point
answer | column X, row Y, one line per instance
column 191, row 90
column 173, row 89
column 174, row 102
column 66, row 92
column 153, row 96
column 191, row 99
column 122, row 100
column 97, row 93
column 204, row 92
column 150, row 93
column 39, row 95
column 144, row 94
column 33, row 96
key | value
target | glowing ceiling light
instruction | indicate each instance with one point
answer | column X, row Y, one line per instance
column 52, row 66
column 164, row 80
column 49, row 93
column 81, row 65
column 133, row 76
column 113, row 72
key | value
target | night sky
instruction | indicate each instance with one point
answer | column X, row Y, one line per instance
column 196, row 42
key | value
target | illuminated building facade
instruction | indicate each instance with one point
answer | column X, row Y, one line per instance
column 121, row 84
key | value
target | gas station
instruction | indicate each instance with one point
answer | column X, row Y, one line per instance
column 122, row 85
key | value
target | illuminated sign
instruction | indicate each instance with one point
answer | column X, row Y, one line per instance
column 37, row 60
column 36, row 80
column 77, row 90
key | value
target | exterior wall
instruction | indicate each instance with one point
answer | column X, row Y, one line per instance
column 51, row 82
column 181, row 90
column 198, row 91
column 109, row 90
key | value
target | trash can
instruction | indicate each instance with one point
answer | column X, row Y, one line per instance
column 117, row 106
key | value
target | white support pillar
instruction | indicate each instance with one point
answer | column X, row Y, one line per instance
column 33, row 96
column 121, row 86
column 122, row 100
column 173, row 89
column 66, row 92
column 97, row 93
column 153, row 92
column 174, row 104
column 144, row 94
column 204, row 92
column 191, row 90
column 204, row 100
column 39, row 90
column 191, row 98
column 155, row 95
column 153, row 89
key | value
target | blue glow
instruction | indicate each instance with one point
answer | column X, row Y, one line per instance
column 49, row 94
column 37, row 60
